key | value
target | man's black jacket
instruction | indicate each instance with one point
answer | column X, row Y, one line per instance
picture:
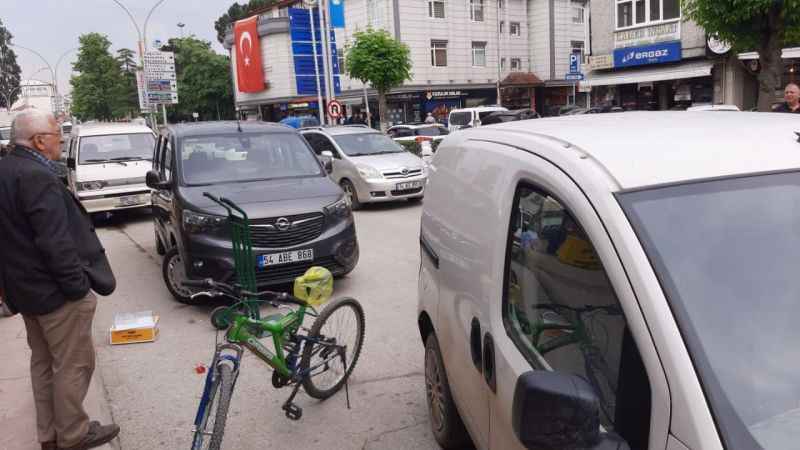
column 49, row 252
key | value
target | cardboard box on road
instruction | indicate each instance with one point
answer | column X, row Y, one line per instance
column 132, row 328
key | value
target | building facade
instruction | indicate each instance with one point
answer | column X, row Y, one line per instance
column 460, row 51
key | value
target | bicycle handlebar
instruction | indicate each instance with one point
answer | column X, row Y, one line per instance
column 237, row 292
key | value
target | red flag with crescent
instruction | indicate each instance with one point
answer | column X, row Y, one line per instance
column 249, row 71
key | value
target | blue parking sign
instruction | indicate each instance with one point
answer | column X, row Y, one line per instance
column 574, row 63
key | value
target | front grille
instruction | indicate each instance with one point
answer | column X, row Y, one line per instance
column 396, row 174
column 407, row 191
column 289, row 272
column 303, row 228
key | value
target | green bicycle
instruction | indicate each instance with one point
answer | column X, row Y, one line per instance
column 319, row 359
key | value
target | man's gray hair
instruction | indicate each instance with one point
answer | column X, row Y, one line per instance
column 29, row 123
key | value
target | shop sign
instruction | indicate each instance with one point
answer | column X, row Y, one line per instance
column 648, row 35
column 600, row 62
column 443, row 94
column 403, row 96
column 648, row 54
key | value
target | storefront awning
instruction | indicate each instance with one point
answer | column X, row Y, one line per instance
column 646, row 75
column 521, row 79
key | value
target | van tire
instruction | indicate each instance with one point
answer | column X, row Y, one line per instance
column 350, row 190
column 449, row 429
column 173, row 275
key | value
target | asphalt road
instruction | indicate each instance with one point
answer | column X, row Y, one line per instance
column 153, row 388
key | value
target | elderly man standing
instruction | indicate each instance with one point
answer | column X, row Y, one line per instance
column 791, row 97
column 51, row 261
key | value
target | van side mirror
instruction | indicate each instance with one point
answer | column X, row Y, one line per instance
column 558, row 410
column 154, row 181
column 71, row 163
column 327, row 153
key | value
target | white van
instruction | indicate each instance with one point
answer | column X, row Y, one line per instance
column 459, row 118
column 107, row 165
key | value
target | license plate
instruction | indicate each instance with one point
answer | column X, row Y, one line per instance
column 409, row 185
column 277, row 259
column 129, row 200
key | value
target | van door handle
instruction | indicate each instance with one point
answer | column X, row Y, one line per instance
column 489, row 372
column 475, row 344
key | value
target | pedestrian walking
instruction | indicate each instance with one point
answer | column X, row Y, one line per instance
column 791, row 97
column 51, row 263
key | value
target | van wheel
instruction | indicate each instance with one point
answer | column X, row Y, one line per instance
column 174, row 273
column 160, row 249
column 350, row 191
column 446, row 423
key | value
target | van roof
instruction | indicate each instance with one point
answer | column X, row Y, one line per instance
column 98, row 129
column 480, row 109
column 225, row 127
column 640, row 149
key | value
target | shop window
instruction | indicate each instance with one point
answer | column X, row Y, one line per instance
column 476, row 10
column 516, row 64
column 436, row 9
column 479, row 54
column 643, row 12
column 438, row 53
column 514, row 28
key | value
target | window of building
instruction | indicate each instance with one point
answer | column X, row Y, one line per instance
column 502, row 27
column 514, row 28
column 476, row 10
column 500, row 4
column 283, row 12
column 436, row 9
column 577, row 48
column 561, row 311
column 438, row 53
column 516, row 64
column 479, row 54
column 502, row 64
column 577, row 14
column 642, row 12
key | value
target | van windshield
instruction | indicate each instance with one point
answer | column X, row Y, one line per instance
column 245, row 157
column 460, row 118
column 116, row 147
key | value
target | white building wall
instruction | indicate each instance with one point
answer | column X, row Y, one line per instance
column 539, row 37
column 278, row 65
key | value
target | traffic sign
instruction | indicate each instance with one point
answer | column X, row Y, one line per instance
column 160, row 81
column 574, row 63
column 334, row 109
column 573, row 76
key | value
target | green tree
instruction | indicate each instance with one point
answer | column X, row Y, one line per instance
column 127, row 64
column 99, row 88
column 378, row 58
column 204, row 81
column 238, row 12
column 9, row 70
column 762, row 25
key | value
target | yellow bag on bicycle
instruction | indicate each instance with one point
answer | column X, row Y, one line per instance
column 315, row 286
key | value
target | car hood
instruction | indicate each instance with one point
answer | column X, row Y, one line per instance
column 267, row 198
column 113, row 171
column 390, row 161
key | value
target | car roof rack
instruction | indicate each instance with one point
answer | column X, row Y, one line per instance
column 357, row 125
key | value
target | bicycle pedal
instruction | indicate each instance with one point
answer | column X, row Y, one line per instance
column 293, row 411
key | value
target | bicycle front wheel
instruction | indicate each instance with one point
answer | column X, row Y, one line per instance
column 208, row 435
column 339, row 328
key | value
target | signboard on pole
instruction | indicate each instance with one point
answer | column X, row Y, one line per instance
column 141, row 88
column 335, row 109
column 160, row 81
column 574, row 63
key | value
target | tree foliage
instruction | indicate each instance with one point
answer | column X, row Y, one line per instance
column 127, row 64
column 204, row 81
column 9, row 70
column 238, row 12
column 99, row 89
column 375, row 57
column 762, row 25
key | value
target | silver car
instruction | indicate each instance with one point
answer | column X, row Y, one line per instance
column 368, row 165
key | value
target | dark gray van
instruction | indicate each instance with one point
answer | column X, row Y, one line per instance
column 298, row 216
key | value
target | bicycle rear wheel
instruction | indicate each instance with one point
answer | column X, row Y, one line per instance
column 217, row 409
column 341, row 324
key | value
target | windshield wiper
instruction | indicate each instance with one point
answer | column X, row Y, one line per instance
column 129, row 158
column 104, row 161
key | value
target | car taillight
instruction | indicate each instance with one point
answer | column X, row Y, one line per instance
column 421, row 139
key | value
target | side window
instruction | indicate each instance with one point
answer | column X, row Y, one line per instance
column 168, row 157
column 325, row 144
column 404, row 132
column 561, row 311
column 314, row 141
column 157, row 155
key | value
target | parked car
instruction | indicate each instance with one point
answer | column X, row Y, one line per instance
column 510, row 116
column 424, row 134
column 472, row 117
column 577, row 292
column 368, row 165
column 299, row 217
column 106, row 165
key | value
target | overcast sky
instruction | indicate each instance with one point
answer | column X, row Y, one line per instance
column 52, row 27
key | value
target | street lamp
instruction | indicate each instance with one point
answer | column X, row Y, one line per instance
column 181, row 25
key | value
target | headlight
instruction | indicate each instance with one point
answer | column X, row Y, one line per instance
column 91, row 185
column 197, row 223
column 368, row 172
column 340, row 208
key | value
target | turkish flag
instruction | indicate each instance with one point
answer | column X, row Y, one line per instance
column 249, row 71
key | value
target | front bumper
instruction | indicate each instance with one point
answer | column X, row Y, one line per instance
column 103, row 202
column 370, row 191
column 336, row 249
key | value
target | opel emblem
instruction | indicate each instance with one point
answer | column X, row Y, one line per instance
column 404, row 171
column 283, row 224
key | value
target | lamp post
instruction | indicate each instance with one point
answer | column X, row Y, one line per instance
column 142, row 35
column 52, row 72
column 181, row 25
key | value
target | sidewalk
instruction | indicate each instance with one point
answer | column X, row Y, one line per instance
column 17, row 417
